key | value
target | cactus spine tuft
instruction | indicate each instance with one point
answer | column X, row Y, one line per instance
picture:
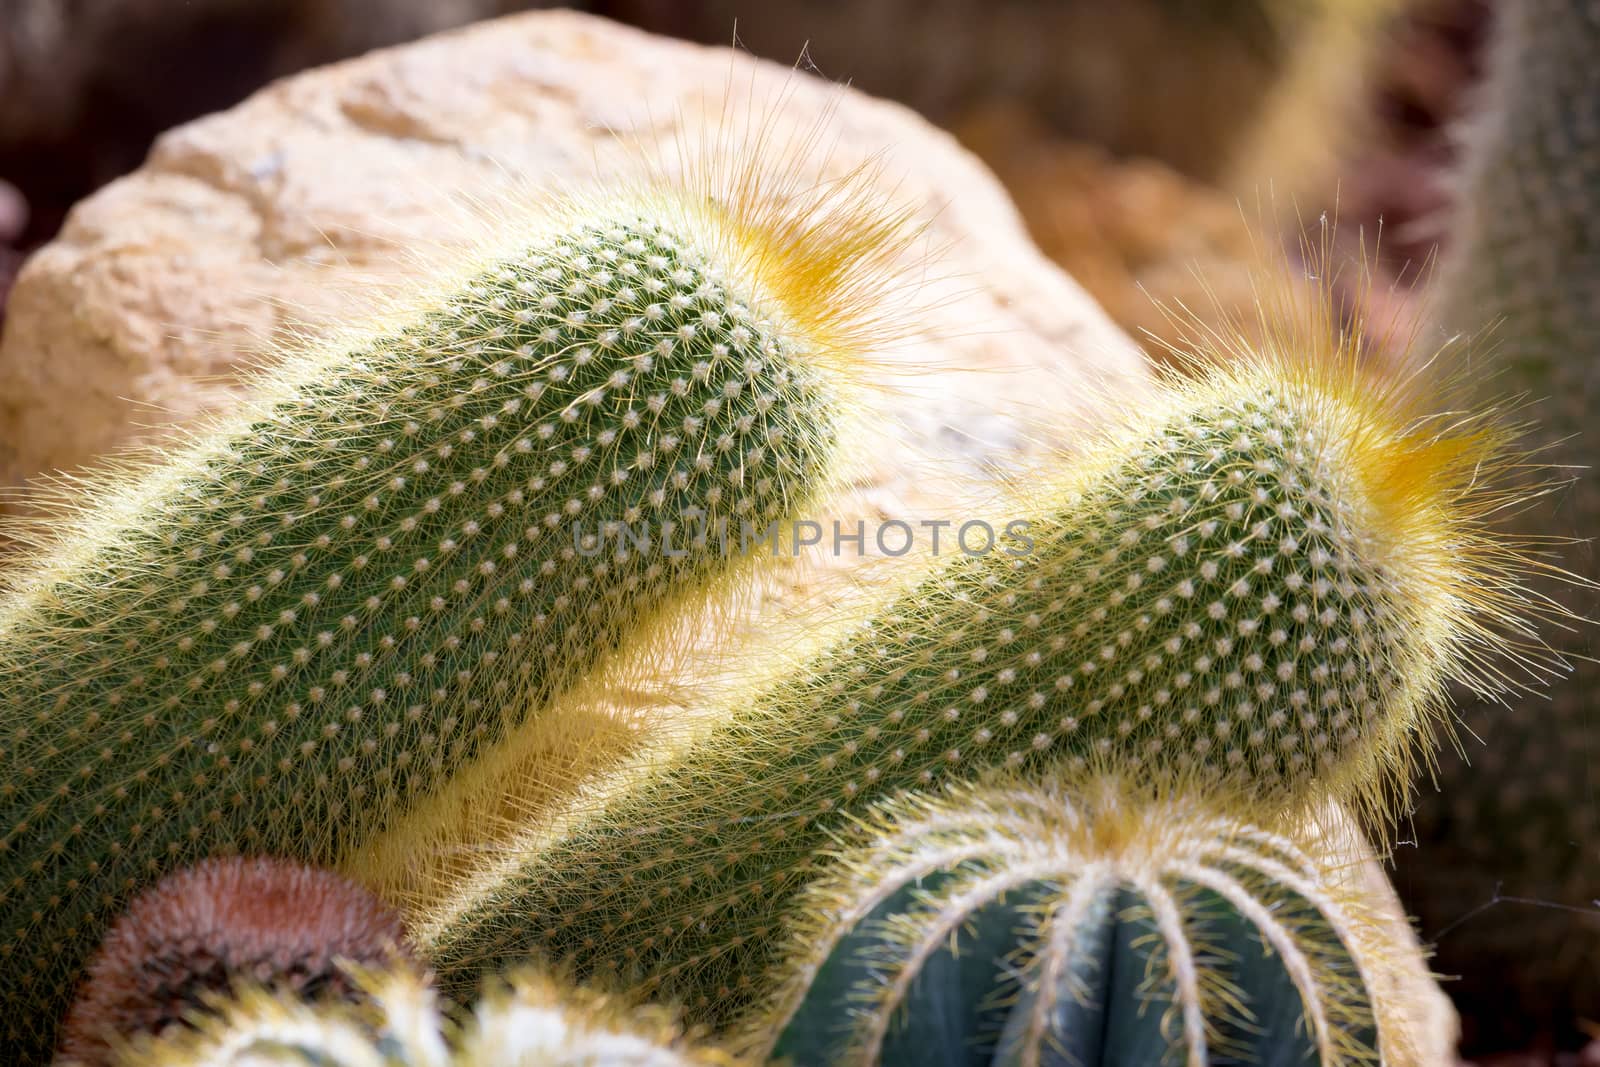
column 1266, row 582
column 1029, row 923
column 291, row 632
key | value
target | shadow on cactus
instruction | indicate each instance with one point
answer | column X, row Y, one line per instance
column 1029, row 923
column 285, row 633
column 1265, row 580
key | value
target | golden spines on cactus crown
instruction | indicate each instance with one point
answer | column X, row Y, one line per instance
column 1409, row 483
column 296, row 627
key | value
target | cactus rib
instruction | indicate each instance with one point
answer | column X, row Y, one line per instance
column 1027, row 922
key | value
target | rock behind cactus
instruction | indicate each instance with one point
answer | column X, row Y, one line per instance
column 1506, row 864
column 283, row 636
column 1026, row 922
column 1265, row 583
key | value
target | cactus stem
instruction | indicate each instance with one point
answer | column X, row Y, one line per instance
column 296, row 629
column 1214, row 588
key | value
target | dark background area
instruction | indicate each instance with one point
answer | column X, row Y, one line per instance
column 86, row 85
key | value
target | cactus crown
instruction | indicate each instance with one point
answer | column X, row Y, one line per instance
column 1096, row 924
column 1407, row 488
column 398, row 1024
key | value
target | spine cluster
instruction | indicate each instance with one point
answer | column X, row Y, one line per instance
column 530, row 1018
column 1239, row 593
column 1025, row 922
column 281, row 638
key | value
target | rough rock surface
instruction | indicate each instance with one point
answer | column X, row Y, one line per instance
column 166, row 284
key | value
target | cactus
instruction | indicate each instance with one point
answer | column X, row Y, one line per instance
column 285, row 634
column 1025, row 922
column 1266, row 581
column 225, row 921
column 530, row 1019
column 1506, row 867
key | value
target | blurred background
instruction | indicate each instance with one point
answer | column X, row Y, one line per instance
column 1129, row 133
column 1145, row 142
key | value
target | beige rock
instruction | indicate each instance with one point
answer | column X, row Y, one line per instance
column 162, row 285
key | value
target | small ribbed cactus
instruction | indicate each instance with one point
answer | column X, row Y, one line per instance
column 286, row 633
column 532, row 1020
column 1027, row 923
column 1266, row 583
column 1505, row 870
column 223, row 923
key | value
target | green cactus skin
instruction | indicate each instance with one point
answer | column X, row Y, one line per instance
column 288, row 633
column 532, row 1019
column 1027, row 923
column 1262, row 585
column 1515, row 816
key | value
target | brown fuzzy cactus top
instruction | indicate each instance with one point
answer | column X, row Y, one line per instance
column 223, row 921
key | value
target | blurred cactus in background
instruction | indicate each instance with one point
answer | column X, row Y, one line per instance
column 1506, row 868
column 1283, row 79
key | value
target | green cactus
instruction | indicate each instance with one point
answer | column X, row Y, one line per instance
column 1506, row 865
column 293, row 630
column 1266, row 582
column 1025, row 922
column 532, row 1019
